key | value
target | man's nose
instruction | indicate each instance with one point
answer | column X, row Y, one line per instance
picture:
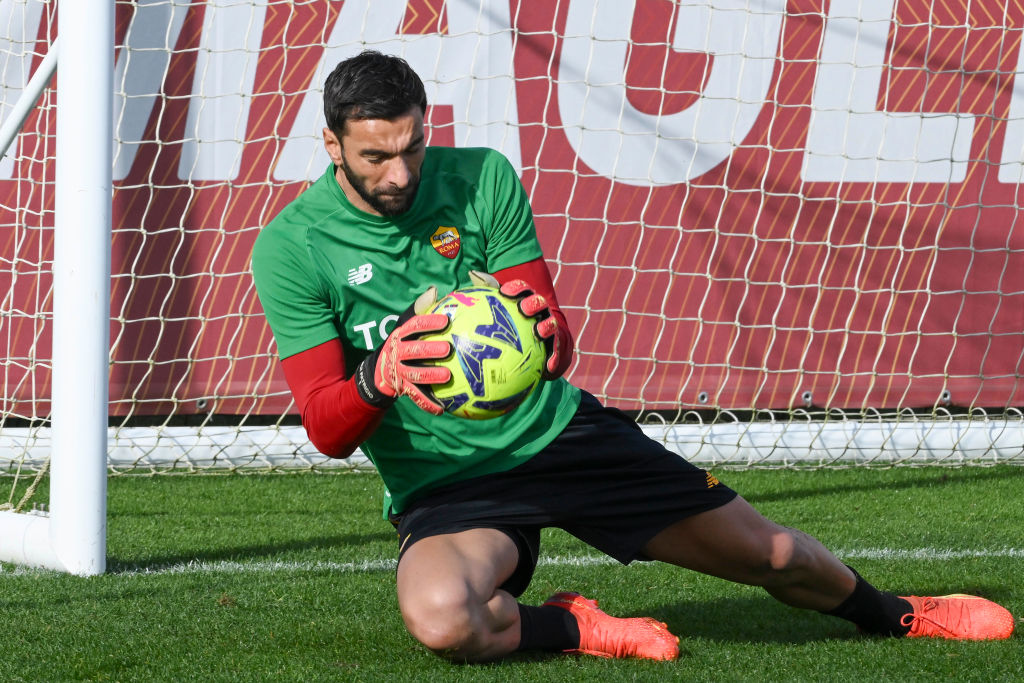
column 398, row 173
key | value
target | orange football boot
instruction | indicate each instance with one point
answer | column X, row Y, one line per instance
column 603, row 635
column 957, row 617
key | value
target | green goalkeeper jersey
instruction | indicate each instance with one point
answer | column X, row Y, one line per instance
column 325, row 269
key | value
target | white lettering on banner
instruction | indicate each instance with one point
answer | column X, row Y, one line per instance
column 222, row 86
column 20, row 22
column 1011, row 166
column 478, row 45
column 139, row 74
column 616, row 140
column 848, row 139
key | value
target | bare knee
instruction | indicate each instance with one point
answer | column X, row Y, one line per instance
column 787, row 555
column 803, row 573
column 445, row 619
column 447, row 595
column 783, row 550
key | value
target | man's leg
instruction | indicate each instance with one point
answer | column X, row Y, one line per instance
column 449, row 597
column 737, row 543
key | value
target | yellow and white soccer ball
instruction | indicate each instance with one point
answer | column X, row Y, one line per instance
column 496, row 359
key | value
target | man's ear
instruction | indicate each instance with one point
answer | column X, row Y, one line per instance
column 333, row 146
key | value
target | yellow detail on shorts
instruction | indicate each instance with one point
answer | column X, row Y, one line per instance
column 405, row 540
column 712, row 481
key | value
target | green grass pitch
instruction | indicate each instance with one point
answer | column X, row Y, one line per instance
column 291, row 578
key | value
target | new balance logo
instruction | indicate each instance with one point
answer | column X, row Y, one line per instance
column 357, row 276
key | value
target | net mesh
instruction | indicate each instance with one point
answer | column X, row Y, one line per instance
column 783, row 233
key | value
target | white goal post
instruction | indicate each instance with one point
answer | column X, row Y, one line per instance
column 781, row 238
column 72, row 536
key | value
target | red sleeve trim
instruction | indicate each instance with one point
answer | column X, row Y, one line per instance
column 336, row 419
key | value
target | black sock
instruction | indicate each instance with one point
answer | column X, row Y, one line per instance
column 874, row 611
column 547, row 628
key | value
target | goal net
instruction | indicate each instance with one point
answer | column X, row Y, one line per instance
column 783, row 233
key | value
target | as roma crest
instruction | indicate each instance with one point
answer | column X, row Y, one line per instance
column 446, row 241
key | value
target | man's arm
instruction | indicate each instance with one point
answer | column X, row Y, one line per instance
column 339, row 413
column 336, row 418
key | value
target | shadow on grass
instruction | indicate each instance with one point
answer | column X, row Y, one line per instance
column 749, row 620
column 735, row 620
column 764, row 620
column 246, row 553
column 923, row 478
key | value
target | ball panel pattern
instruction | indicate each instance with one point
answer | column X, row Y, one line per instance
column 496, row 359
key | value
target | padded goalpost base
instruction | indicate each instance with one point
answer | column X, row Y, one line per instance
column 36, row 540
column 27, row 541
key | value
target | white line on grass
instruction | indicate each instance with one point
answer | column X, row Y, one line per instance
column 382, row 565
column 926, row 553
column 363, row 567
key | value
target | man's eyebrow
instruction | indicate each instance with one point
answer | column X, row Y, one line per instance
column 372, row 152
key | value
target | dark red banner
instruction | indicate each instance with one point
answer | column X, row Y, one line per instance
column 741, row 210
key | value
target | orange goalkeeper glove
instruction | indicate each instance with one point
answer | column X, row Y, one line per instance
column 395, row 368
column 534, row 306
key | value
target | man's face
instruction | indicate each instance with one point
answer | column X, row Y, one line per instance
column 379, row 161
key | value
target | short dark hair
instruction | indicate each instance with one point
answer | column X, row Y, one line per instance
column 371, row 85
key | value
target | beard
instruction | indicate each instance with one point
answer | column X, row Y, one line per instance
column 390, row 202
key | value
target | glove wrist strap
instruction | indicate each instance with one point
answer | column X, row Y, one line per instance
column 366, row 386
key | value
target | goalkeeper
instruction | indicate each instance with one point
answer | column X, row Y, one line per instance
column 391, row 222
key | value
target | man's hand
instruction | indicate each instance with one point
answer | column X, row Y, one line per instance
column 532, row 306
column 394, row 369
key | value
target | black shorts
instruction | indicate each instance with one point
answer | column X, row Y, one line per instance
column 602, row 480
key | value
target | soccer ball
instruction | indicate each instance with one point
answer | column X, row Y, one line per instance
column 496, row 359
